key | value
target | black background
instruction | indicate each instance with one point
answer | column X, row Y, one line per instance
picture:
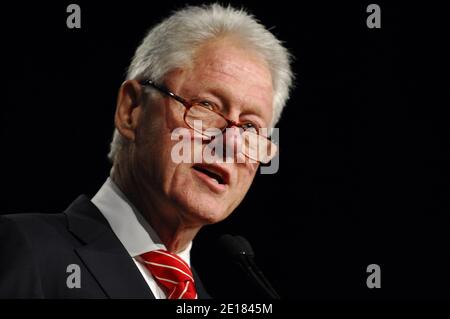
column 364, row 140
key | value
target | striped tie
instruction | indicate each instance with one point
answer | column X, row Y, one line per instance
column 172, row 274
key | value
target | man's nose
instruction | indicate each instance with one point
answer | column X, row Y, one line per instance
column 232, row 142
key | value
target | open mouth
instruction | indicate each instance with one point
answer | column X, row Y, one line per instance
column 215, row 175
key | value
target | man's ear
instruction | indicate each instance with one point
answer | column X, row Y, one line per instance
column 128, row 109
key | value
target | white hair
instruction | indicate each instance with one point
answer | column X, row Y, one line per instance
column 172, row 44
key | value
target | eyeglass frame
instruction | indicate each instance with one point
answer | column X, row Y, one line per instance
column 189, row 104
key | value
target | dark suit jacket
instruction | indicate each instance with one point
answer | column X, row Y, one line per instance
column 36, row 249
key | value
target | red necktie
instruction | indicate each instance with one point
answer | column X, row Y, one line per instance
column 171, row 273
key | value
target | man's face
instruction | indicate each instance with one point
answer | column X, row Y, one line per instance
column 240, row 83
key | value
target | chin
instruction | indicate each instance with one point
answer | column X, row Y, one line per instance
column 208, row 213
column 200, row 201
column 210, row 216
column 202, row 209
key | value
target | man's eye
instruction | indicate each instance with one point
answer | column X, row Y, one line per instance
column 250, row 127
column 207, row 104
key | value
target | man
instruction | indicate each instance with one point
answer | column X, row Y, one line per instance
column 201, row 69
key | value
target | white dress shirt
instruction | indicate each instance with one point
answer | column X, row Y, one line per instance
column 133, row 231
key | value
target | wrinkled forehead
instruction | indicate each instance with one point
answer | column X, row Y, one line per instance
column 229, row 58
column 238, row 74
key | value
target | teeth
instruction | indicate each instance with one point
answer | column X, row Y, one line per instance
column 215, row 180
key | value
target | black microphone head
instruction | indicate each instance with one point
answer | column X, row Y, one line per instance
column 229, row 244
column 247, row 248
column 236, row 246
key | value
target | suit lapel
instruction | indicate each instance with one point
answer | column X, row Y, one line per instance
column 201, row 291
column 103, row 254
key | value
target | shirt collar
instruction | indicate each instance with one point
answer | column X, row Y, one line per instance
column 133, row 231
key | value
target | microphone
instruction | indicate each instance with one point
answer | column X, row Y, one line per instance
column 240, row 250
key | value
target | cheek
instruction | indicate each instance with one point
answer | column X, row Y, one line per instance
column 246, row 174
column 156, row 128
column 153, row 147
column 173, row 115
column 250, row 170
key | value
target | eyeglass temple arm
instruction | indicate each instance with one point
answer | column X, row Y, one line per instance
column 166, row 91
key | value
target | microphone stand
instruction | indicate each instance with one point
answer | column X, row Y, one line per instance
column 241, row 250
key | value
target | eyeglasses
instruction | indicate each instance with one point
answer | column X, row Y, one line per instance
column 255, row 145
